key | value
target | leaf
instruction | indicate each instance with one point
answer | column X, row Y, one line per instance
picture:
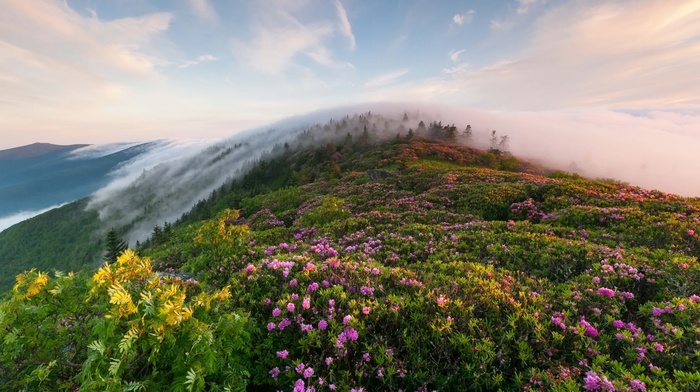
column 190, row 379
column 98, row 346
column 114, row 365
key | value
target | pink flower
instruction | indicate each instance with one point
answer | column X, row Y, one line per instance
column 691, row 232
column 346, row 319
column 604, row 291
column 276, row 312
column 283, row 354
column 638, row 385
column 618, row 324
column 656, row 312
column 365, row 310
column 306, row 304
column 270, row 326
column 291, row 307
column 659, row 347
column 322, row 325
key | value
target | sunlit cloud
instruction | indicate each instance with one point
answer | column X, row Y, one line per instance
column 200, row 59
column 454, row 54
column 204, row 11
column 387, row 78
column 524, row 5
column 345, row 27
column 633, row 54
column 282, row 31
column 463, row 18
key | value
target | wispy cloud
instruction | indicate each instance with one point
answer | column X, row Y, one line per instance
column 204, row 11
column 387, row 78
column 200, row 59
column 614, row 54
column 463, row 18
column 454, row 54
column 55, row 61
column 345, row 27
column 524, row 5
column 283, row 30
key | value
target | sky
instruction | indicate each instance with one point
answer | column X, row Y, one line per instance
column 105, row 71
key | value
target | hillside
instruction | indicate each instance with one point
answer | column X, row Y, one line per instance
column 42, row 175
column 406, row 264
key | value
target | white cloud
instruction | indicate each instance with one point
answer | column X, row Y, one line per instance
column 345, row 27
column 200, row 59
column 454, row 54
column 281, row 31
column 387, row 78
column 620, row 54
column 463, row 18
column 55, row 62
column 204, row 11
column 524, row 5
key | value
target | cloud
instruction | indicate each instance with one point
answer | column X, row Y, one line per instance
column 284, row 30
column 200, row 59
column 55, row 61
column 204, row 11
column 345, row 27
column 524, row 5
column 463, row 18
column 620, row 54
column 454, row 54
column 387, row 78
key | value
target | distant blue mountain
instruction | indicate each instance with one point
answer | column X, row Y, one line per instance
column 42, row 175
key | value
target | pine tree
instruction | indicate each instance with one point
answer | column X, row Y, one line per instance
column 114, row 246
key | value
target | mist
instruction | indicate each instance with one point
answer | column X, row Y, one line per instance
column 655, row 150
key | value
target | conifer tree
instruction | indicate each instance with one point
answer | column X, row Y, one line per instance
column 114, row 246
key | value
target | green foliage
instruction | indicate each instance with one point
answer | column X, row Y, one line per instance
column 446, row 275
column 114, row 246
column 125, row 329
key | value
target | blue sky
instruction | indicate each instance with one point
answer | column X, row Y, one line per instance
column 97, row 71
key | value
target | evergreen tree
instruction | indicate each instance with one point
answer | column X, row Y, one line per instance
column 114, row 246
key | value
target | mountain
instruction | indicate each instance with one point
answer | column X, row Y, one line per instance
column 42, row 175
column 372, row 262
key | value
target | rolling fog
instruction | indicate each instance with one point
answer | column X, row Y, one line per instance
column 658, row 150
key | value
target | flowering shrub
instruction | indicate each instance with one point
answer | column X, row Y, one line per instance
column 445, row 276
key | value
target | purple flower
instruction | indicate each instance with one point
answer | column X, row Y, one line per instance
column 659, row 347
column 604, row 291
column 293, row 283
column 351, row 333
column 618, row 324
column 638, row 385
column 300, row 368
column 283, row 354
column 271, row 326
column 596, row 280
column 656, row 312
column 308, row 372
column 346, row 319
column 329, row 360
column 594, row 382
column 322, row 325
column 284, row 324
column 366, row 357
column 276, row 312
column 331, row 387
column 275, row 372
column 299, row 386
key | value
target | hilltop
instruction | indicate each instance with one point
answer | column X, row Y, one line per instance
column 381, row 263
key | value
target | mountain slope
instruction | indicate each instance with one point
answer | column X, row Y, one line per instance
column 41, row 175
column 378, row 264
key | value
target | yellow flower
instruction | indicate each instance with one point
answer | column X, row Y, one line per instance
column 40, row 282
